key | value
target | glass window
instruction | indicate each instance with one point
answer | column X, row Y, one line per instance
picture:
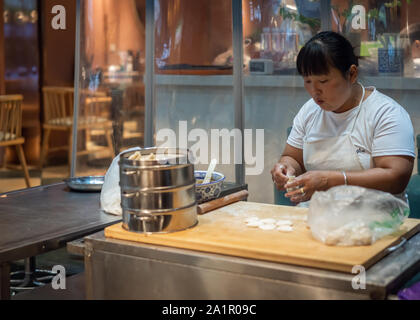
column 111, row 101
column 274, row 31
column 194, row 93
column 193, row 68
column 384, row 35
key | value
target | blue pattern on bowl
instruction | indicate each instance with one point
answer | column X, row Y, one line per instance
column 208, row 191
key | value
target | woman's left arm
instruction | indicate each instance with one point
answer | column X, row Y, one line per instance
column 390, row 174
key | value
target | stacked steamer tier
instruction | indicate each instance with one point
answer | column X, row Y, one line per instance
column 157, row 190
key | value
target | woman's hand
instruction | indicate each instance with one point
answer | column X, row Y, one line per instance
column 307, row 183
column 280, row 174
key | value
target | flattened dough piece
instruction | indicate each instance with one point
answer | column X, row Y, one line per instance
column 284, row 223
column 285, row 228
column 268, row 221
column 251, row 219
column 267, row 226
column 254, row 223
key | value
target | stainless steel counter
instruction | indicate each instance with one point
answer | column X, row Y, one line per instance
column 45, row 218
column 127, row 270
column 40, row 219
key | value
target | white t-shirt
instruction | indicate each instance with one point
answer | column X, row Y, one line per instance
column 383, row 129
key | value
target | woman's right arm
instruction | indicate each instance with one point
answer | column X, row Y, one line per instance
column 291, row 160
column 290, row 164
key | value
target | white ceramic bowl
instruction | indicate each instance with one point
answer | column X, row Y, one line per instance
column 208, row 191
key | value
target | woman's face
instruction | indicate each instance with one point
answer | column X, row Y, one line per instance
column 332, row 92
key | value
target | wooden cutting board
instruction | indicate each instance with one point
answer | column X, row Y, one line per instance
column 224, row 231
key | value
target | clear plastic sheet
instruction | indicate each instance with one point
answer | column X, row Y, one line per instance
column 111, row 192
column 351, row 216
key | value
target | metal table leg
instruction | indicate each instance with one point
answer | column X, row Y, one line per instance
column 5, row 281
column 29, row 278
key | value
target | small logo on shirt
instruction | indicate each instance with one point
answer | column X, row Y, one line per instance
column 360, row 150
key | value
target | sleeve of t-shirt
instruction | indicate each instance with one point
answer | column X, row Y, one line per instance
column 297, row 134
column 393, row 132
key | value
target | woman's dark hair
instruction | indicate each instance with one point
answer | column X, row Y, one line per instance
column 325, row 50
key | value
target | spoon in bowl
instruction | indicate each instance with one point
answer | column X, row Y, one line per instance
column 210, row 170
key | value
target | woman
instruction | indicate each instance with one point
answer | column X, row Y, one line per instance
column 346, row 134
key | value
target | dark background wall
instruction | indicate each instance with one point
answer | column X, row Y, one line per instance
column 47, row 56
column 57, row 51
column 2, row 89
column 58, row 45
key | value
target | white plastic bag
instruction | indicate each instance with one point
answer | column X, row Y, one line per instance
column 352, row 216
column 111, row 193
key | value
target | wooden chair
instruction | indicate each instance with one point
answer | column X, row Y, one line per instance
column 58, row 115
column 11, row 128
column 96, row 111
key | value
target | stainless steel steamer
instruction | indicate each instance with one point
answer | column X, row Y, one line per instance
column 158, row 195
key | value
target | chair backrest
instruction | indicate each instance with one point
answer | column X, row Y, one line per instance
column 10, row 117
column 97, row 106
column 58, row 102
